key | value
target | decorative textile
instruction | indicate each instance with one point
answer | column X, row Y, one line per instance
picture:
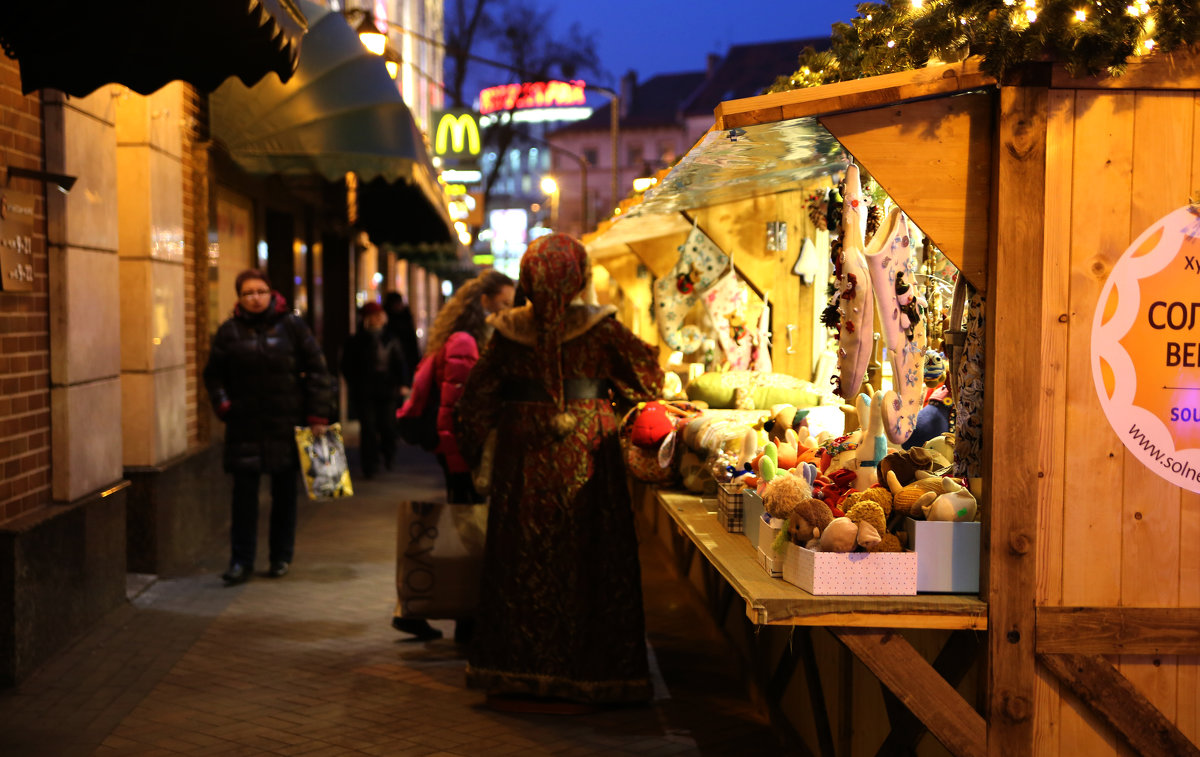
column 700, row 263
column 968, row 413
column 561, row 603
column 902, row 319
column 725, row 302
column 855, row 303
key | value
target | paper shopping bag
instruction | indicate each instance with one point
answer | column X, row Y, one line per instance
column 323, row 463
column 439, row 559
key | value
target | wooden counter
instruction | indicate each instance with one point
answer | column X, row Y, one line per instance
column 773, row 601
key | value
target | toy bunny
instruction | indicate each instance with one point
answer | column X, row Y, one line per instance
column 873, row 446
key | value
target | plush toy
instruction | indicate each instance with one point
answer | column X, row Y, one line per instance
column 910, row 500
column 905, row 464
column 942, row 449
column 651, row 426
column 840, row 535
column 691, row 469
column 784, row 417
column 877, row 494
column 932, row 420
column 840, row 453
column 808, row 520
column 873, row 446
column 956, row 504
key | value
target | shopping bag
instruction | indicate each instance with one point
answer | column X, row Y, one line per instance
column 439, row 559
column 323, row 463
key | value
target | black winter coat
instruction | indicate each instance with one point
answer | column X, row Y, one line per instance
column 265, row 376
column 373, row 366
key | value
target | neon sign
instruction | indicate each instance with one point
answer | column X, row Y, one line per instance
column 538, row 94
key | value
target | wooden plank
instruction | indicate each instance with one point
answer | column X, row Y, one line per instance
column 1150, row 513
column 1102, row 687
column 1118, row 630
column 934, row 158
column 774, row 601
column 659, row 254
column 859, row 94
column 1101, row 186
column 1014, row 329
column 1052, row 406
column 951, row 720
column 1175, row 70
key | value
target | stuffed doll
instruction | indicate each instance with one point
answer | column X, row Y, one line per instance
column 955, row 504
column 905, row 464
column 933, row 419
column 855, row 303
column 910, row 501
column 651, row 426
column 873, row 446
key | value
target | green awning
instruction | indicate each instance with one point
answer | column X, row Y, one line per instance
column 340, row 112
column 144, row 44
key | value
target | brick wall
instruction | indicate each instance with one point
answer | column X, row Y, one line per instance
column 24, row 321
column 195, row 272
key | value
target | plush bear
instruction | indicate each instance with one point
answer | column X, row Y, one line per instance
column 789, row 497
column 877, row 494
column 810, row 518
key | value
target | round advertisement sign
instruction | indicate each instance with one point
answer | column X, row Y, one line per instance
column 1146, row 348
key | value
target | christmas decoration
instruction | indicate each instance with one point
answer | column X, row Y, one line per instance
column 1089, row 37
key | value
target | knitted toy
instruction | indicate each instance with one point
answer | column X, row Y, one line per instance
column 905, row 464
column 956, row 504
column 855, row 303
column 700, row 263
column 900, row 312
column 877, row 494
column 911, row 500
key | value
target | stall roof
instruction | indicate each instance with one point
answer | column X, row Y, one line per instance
column 774, row 143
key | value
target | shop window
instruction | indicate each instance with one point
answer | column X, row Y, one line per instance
column 526, row 184
column 533, row 158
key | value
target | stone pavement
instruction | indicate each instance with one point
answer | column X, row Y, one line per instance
column 309, row 665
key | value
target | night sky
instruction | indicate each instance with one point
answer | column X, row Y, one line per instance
column 670, row 36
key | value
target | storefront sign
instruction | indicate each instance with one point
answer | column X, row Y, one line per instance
column 537, row 94
column 16, row 241
column 1146, row 348
column 456, row 138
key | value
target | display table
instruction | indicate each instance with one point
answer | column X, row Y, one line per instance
column 773, row 601
column 867, row 626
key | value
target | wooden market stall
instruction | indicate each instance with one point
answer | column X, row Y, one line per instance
column 1034, row 187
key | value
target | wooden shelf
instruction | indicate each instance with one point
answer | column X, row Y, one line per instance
column 773, row 601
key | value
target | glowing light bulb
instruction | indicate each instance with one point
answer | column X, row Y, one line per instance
column 1031, row 15
column 891, row 43
column 1010, row 2
column 1133, row 10
column 1149, row 45
column 918, row 4
column 1081, row 15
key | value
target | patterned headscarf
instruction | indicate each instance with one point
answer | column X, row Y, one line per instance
column 553, row 271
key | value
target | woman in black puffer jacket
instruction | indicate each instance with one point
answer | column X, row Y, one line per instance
column 265, row 376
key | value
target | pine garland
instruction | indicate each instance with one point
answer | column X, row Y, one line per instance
column 1089, row 37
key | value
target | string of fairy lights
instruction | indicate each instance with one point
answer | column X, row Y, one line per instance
column 1089, row 37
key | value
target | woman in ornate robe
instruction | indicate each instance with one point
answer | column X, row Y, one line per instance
column 561, row 606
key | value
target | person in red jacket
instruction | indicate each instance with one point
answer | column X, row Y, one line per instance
column 453, row 348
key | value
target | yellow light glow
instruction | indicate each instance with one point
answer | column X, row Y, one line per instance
column 465, row 238
column 375, row 42
column 1031, row 15
column 549, row 185
column 1133, row 10
column 616, row 211
column 1149, row 44
column 891, row 43
column 1031, row 4
column 918, row 4
column 393, row 68
column 1081, row 15
column 1010, row 2
column 642, row 184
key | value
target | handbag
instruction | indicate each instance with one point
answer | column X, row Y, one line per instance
column 439, row 559
column 323, row 463
column 655, row 466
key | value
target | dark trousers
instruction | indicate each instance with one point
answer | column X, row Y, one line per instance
column 377, row 428
column 244, row 530
column 460, row 487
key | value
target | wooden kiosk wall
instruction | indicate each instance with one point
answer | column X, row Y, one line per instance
column 1093, row 564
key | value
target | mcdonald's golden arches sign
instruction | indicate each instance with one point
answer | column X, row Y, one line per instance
column 456, row 138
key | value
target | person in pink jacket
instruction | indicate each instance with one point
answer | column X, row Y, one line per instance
column 452, row 351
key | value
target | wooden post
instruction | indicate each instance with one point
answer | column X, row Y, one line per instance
column 1014, row 341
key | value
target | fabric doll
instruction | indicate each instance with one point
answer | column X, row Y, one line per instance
column 855, row 303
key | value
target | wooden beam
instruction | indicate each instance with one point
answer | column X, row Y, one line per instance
column 1014, row 327
column 859, row 94
column 906, row 673
column 1118, row 630
column 1175, row 70
column 1111, row 696
column 934, row 158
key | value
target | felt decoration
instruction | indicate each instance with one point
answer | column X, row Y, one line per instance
column 856, row 306
column 901, row 312
column 761, row 360
column 725, row 302
column 700, row 263
column 806, row 262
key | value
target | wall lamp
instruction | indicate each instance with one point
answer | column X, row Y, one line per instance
column 392, row 61
column 62, row 181
column 368, row 31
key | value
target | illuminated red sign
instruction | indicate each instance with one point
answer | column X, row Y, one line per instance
column 538, row 94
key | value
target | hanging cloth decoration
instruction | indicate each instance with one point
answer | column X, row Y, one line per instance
column 700, row 263
column 855, row 304
column 726, row 304
column 902, row 315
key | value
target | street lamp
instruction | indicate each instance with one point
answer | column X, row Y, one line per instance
column 369, row 34
column 550, row 187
